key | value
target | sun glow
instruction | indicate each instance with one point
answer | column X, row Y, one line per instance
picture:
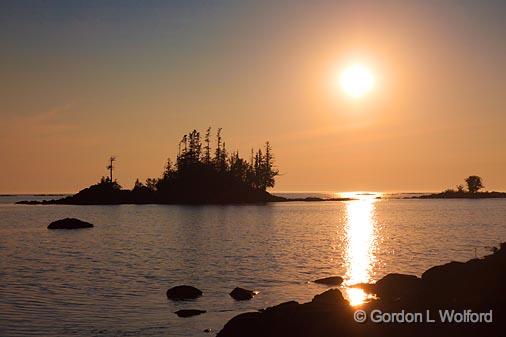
column 356, row 80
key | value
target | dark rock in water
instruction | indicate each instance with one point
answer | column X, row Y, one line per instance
column 241, row 294
column 332, row 296
column 394, row 286
column 69, row 223
column 183, row 292
column 330, row 281
column 189, row 312
column 208, row 330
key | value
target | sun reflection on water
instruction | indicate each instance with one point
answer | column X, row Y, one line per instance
column 360, row 243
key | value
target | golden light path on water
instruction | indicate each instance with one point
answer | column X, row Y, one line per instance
column 360, row 243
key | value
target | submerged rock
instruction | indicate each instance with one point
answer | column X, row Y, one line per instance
column 69, row 223
column 330, row 281
column 189, row 312
column 241, row 294
column 183, row 292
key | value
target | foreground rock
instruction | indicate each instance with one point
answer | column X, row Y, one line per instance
column 474, row 287
column 69, row 223
column 326, row 312
column 241, row 294
column 330, row 281
column 183, row 292
column 189, row 312
column 394, row 286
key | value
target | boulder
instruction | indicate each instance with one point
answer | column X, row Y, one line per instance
column 394, row 286
column 69, row 223
column 330, row 281
column 280, row 307
column 189, row 312
column 332, row 296
column 241, row 294
column 183, row 292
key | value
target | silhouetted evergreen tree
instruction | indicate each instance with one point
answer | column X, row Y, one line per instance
column 220, row 155
column 196, row 177
column 207, row 148
column 268, row 171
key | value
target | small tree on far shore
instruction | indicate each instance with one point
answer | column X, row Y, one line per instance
column 474, row 184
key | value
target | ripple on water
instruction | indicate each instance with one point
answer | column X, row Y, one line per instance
column 111, row 280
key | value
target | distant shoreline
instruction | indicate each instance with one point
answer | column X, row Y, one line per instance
column 463, row 195
column 274, row 199
column 69, row 199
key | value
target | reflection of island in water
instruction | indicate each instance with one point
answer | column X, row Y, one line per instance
column 361, row 240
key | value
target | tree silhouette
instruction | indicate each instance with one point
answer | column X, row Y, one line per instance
column 269, row 172
column 110, row 167
column 474, row 184
column 196, row 176
column 207, row 147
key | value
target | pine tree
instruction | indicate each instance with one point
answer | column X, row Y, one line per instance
column 217, row 154
column 207, row 148
column 269, row 172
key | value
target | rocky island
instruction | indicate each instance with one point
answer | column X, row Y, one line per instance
column 200, row 175
column 474, row 185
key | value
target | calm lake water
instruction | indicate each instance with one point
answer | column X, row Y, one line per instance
column 111, row 280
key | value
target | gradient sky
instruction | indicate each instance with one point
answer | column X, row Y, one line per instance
column 81, row 80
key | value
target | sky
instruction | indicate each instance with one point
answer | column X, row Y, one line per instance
column 83, row 80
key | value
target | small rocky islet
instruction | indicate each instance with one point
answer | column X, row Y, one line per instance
column 183, row 292
column 241, row 294
column 330, row 281
column 189, row 312
column 69, row 223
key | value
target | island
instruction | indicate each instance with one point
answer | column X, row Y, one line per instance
column 474, row 185
column 199, row 175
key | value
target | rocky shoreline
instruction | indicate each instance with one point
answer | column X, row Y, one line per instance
column 454, row 299
column 123, row 197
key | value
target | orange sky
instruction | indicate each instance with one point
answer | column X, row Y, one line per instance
column 81, row 82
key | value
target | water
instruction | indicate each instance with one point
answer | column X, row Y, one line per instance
column 111, row 280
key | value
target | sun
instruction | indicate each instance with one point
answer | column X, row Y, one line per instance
column 356, row 80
